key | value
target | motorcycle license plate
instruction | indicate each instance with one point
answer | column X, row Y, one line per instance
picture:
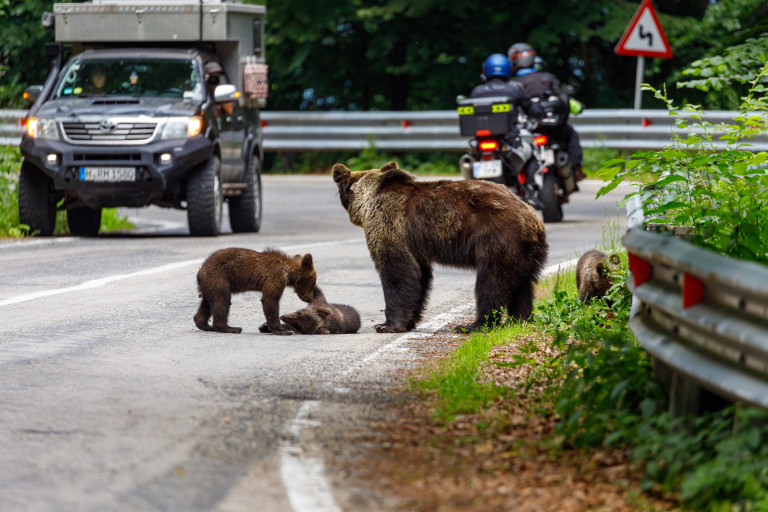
column 548, row 155
column 486, row 169
column 107, row 174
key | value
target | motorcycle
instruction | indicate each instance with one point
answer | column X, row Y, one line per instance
column 493, row 156
column 555, row 179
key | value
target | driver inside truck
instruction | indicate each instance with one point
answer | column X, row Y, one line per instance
column 98, row 80
column 214, row 75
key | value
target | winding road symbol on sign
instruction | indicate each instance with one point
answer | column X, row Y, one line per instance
column 644, row 36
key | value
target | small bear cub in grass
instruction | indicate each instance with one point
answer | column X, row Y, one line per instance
column 234, row 270
column 593, row 271
column 322, row 318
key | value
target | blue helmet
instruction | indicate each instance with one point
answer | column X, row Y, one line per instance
column 497, row 65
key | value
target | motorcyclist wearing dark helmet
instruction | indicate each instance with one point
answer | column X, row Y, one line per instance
column 497, row 72
column 538, row 83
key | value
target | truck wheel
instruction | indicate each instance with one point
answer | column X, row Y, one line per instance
column 84, row 221
column 37, row 204
column 245, row 210
column 205, row 198
column 552, row 211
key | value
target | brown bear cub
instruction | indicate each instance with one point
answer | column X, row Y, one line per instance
column 234, row 270
column 593, row 270
column 320, row 317
column 410, row 225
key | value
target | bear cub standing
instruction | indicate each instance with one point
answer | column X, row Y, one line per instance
column 593, row 270
column 320, row 317
column 234, row 270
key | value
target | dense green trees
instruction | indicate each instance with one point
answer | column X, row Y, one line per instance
column 419, row 54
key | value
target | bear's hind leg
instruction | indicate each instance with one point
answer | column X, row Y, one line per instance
column 489, row 298
column 520, row 301
column 202, row 316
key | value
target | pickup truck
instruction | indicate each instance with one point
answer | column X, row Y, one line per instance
column 144, row 119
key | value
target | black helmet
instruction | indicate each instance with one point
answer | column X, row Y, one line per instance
column 521, row 55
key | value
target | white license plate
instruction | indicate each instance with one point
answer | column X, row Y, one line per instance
column 548, row 155
column 486, row 169
column 107, row 174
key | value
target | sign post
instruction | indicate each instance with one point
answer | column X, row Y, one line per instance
column 643, row 38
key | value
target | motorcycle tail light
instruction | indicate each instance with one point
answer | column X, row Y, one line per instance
column 489, row 145
column 540, row 140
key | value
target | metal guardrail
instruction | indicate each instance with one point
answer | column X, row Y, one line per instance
column 438, row 130
column 702, row 316
column 11, row 127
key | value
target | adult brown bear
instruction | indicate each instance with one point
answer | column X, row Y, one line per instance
column 409, row 225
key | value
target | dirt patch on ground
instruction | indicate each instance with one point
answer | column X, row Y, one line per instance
column 502, row 459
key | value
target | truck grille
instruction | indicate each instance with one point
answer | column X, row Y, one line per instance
column 122, row 131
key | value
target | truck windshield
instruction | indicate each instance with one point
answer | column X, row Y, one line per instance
column 174, row 78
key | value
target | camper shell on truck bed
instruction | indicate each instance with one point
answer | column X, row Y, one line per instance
column 139, row 114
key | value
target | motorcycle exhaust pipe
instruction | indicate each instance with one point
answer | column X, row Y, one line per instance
column 466, row 163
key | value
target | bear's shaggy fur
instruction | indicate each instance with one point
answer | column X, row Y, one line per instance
column 409, row 225
column 593, row 270
column 320, row 317
column 234, row 270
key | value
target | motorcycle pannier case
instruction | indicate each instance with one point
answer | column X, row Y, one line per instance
column 486, row 116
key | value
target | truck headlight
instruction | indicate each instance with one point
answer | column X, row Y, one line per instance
column 42, row 128
column 182, row 128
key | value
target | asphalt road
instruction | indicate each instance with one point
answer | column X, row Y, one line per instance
column 112, row 399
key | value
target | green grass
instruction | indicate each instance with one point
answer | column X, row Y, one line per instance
column 455, row 380
column 600, row 387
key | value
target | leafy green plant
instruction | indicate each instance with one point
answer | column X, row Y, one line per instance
column 9, row 204
column 719, row 189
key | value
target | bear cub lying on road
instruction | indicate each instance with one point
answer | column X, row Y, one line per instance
column 236, row 270
column 322, row 318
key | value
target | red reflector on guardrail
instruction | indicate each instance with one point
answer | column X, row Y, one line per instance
column 693, row 291
column 405, row 124
column 641, row 269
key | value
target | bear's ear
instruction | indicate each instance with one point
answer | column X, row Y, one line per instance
column 341, row 173
column 615, row 259
column 306, row 261
column 396, row 175
column 324, row 312
column 388, row 167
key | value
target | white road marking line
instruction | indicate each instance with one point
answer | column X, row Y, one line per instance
column 304, row 475
column 95, row 283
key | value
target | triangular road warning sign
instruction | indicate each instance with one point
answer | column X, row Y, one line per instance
column 644, row 37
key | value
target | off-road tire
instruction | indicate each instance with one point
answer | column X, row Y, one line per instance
column 205, row 199
column 245, row 210
column 552, row 210
column 37, row 202
column 84, row 221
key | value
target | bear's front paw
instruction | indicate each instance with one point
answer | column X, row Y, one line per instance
column 389, row 328
column 264, row 328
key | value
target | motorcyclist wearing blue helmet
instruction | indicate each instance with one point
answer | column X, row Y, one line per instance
column 497, row 71
column 539, row 83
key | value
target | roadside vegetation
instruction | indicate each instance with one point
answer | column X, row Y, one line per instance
column 578, row 367
column 709, row 178
column 10, row 163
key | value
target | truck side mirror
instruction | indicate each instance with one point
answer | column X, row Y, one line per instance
column 32, row 93
column 225, row 93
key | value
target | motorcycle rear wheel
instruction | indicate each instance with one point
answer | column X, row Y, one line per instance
column 552, row 210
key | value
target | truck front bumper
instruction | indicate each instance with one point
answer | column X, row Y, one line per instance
column 160, row 168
